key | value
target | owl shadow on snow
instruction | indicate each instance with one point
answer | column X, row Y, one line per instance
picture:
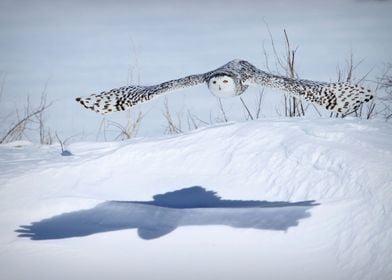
column 193, row 206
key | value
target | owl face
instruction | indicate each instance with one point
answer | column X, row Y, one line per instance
column 222, row 86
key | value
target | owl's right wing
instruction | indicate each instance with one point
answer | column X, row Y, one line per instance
column 120, row 99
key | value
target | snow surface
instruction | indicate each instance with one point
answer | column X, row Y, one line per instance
column 267, row 199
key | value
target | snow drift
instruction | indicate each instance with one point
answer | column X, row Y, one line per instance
column 271, row 199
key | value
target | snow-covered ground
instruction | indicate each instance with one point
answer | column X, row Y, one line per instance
column 267, row 199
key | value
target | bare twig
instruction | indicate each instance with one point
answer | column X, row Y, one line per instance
column 134, row 69
column 45, row 134
column 171, row 127
column 286, row 64
column 60, row 141
column 266, row 58
column 202, row 121
column 384, row 83
column 222, row 110
column 246, row 108
column 130, row 129
column 295, row 106
column 350, row 68
column 63, row 143
column 191, row 121
column 278, row 60
column 258, row 103
column 17, row 130
column 290, row 57
column 102, row 129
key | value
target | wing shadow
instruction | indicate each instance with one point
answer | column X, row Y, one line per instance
column 166, row 212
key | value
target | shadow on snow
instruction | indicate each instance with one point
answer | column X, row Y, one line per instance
column 185, row 207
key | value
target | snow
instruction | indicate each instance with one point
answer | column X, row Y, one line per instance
column 272, row 198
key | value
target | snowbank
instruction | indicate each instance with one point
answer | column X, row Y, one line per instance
column 271, row 199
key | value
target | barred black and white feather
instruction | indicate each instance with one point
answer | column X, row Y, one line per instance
column 120, row 99
column 341, row 97
column 236, row 75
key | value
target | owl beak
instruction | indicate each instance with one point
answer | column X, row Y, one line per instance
column 220, row 88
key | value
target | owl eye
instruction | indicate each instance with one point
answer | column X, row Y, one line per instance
column 214, row 82
column 225, row 81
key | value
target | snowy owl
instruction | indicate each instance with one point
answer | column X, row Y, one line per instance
column 232, row 79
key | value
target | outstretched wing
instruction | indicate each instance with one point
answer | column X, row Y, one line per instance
column 120, row 99
column 338, row 97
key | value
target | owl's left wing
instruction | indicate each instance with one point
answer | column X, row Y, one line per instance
column 337, row 97
column 120, row 99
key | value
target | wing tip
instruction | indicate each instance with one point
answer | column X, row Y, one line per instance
column 97, row 107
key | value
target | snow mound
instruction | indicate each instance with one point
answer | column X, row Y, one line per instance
column 277, row 199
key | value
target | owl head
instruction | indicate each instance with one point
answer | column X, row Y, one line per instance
column 222, row 86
